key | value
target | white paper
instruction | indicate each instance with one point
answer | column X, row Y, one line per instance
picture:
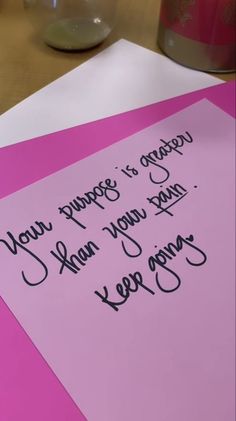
column 124, row 76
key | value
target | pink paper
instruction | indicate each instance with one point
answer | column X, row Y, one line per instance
column 42, row 156
column 29, row 390
column 161, row 355
column 17, row 377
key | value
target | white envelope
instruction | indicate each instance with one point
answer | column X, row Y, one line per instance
column 124, row 76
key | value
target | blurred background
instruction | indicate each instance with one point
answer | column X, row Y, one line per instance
column 27, row 63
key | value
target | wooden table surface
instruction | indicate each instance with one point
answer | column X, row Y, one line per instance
column 27, row 64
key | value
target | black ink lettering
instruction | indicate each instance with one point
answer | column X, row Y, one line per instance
column 104, row 298
column 124, row 289
column 160, row 259
column 170, row 146
column 168, row 253
column 129, row 219
column 78, row 204
column 164, row 196
column 74, row 261
column 188, row 140
column 189, row 240
column 105, row 189
column 68, row 212
column 33, row 233
column 129, row 171
column 146, row 161
column 151, row 158
column 61, row 255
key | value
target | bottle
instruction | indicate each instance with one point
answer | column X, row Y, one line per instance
column 200, row 34
column 72, row 24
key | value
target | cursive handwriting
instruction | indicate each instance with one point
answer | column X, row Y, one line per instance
column 16, row 243
column 166, row 254
column 129, row 284
column 157, row 263
column 129, row 219
column 105, row 189
column 166, row 196
column 154, row 157
column 74, row 262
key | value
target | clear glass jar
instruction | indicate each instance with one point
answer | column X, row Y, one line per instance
column 72, row 24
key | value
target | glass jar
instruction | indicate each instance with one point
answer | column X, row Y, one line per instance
column 199, row 33
column 72, row 24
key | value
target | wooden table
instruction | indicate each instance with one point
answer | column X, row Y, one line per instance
column 27, row 64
